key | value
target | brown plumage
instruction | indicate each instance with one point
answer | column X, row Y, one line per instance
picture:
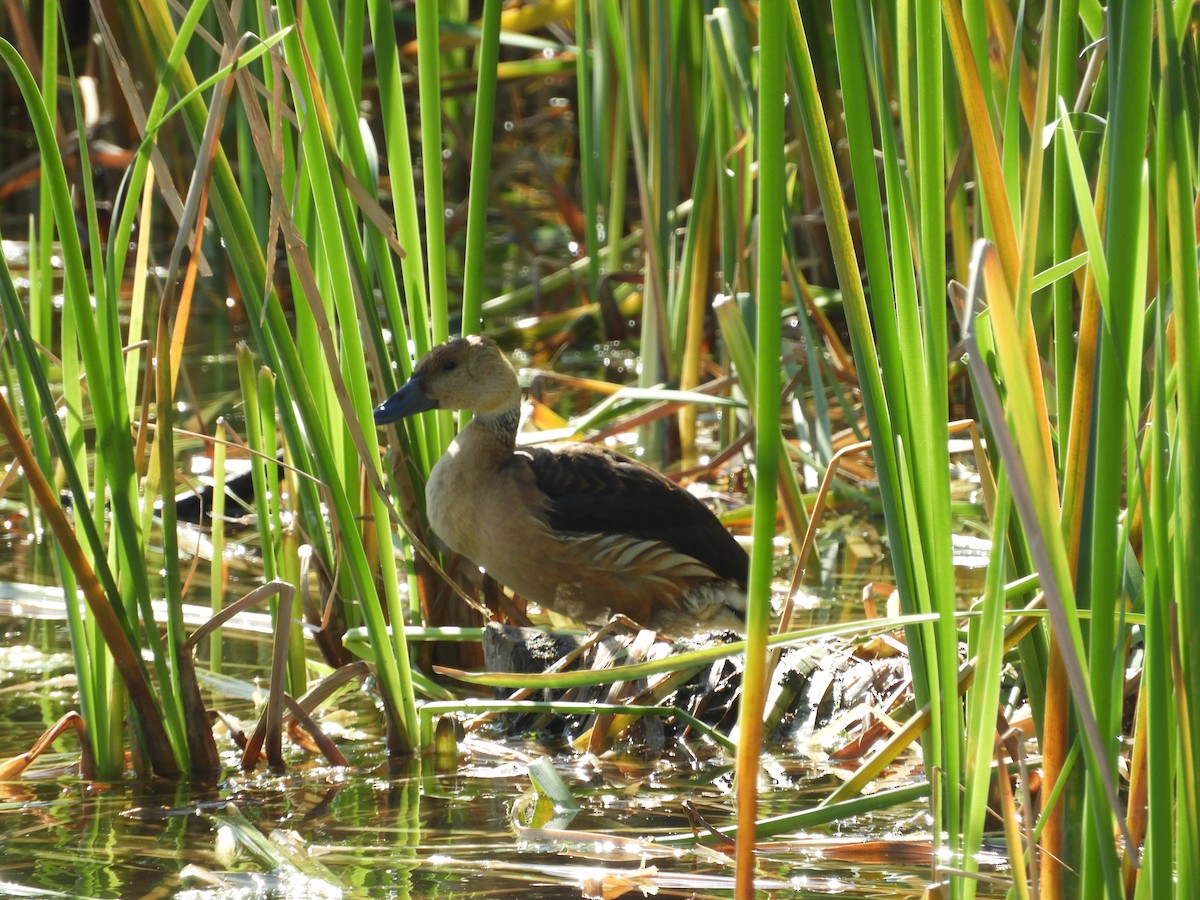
column 576, row 528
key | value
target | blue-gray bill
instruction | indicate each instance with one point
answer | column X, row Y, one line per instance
column 408, row 401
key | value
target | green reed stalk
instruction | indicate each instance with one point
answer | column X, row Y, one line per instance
column 1177, row 197
column 768, row 289
column 270, row 451
column 694, row 283
column 481, row 168
column 414, row 327
column 986, row 646
column 1163, row 767
column 258, row 475
column 199, row 755
column 818, row 428
column 41, row 292
column 110, row 701
column 286, row 564
column 429, row 87
column 615, row 99
column 89, row 666
column 1063, row 224
column 353, row 27
column 666, row 71
column 588, row 63
column 1118, row 373
column 258, row 402
column 216, row 581
column 731, row 120
column 637, row 33
column 925, row 444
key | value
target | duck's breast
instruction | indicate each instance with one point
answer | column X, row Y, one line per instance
column 494, row 516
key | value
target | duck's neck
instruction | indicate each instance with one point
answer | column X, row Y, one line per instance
column 492, row 434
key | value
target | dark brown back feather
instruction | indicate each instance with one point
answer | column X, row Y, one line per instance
column 596, row 490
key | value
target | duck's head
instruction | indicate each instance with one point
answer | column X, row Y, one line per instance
column 465, row 373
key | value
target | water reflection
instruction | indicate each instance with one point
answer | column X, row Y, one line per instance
column 389, row 831
column 386, row 829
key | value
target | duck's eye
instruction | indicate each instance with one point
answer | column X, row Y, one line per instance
column 449, row 366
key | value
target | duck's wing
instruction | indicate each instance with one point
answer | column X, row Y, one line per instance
column 593, row 490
